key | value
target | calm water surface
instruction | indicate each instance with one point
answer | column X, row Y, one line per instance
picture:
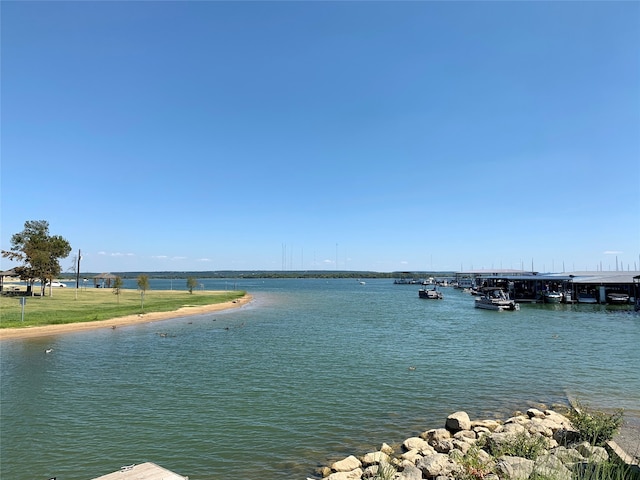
column 309, row 372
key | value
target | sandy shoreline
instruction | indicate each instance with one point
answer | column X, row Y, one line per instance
column 29, row 332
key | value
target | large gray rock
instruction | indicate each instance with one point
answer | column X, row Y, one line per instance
column 352, row 475
column 465, row 434
column 412, row 456
column 496, row 441
column 374, row 458
column 444, row 446
column 490, row 425
column 437, row 464
column 515, row 468
column 552, row 467
column 511, row 428
column 410, row 472
column 458, row 421
column 346, row 464
column 435, row 435
column 414, row 443
column 568, row 456
column 535, row 413
column 594, row 454
column 566, row 436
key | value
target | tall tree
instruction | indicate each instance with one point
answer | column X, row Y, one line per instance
column 191, row 284
column 117, row 286
column 39, row 253
column 143, row 286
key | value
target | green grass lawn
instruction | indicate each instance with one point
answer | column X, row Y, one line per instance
column 100, row 304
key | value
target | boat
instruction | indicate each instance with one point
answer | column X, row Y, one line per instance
column 495, row 298
column 551, row 297
column 617, row 298
column 431, row 293
column 584, row 297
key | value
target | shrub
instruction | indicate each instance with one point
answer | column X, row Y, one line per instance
column 474, row 466
column 522, row 445
column 594, row 426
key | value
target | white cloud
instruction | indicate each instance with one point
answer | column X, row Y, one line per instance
column 612, row 252
column 204, row 260
column 160, row 257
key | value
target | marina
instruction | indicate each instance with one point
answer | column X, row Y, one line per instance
column 619, row 288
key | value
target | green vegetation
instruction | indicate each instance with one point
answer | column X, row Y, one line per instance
column 611, row 470
column 117, row 287
column 38, row 252
column 191, row 284
column 143, row 286
column 100, row 304
column 594, row 426
column 385, row 471
column 522, row 445
column 475, row 466
column 480, row 460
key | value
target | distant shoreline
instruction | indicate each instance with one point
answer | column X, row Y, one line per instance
column 48, row 330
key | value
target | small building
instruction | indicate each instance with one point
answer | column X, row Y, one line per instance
column 104, row 280
column 10, row 274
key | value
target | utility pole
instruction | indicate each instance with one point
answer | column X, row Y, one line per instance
column 78, row 274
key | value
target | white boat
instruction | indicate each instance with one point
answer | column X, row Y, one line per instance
column 584, row 297
column 431, row 293
column 495, row 299
column 617, row 298
column 552, row 297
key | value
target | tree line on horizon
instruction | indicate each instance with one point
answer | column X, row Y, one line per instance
column 39, row 253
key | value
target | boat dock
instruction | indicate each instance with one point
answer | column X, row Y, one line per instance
column 143, row 471
column 620, row 288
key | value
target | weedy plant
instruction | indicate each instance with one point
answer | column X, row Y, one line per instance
column 474, row 465
column 611, row 470
column 385, row 471
column 521, row 445
column 594, row 426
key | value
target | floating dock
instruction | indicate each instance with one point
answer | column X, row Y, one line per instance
column 144, row 471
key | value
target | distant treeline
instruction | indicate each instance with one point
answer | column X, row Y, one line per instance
column 278, row 274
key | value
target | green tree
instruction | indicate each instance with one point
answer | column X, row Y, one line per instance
column 192, row 283
column 39, row 253
column 117, row 287
column 143, row 286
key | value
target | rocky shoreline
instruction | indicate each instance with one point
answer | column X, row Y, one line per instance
column 479, row 449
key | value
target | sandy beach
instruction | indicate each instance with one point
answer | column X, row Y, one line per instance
column 29, row 332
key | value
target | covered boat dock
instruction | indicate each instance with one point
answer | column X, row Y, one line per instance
column 582, row 287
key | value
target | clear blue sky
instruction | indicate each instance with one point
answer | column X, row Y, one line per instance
column 379, row 136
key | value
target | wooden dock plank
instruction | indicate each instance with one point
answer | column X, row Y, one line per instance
column 144, row 471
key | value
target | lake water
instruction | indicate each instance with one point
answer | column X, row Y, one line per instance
column 309, row 372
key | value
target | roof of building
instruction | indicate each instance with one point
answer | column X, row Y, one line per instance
column 599, row 278
column 105, row 275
